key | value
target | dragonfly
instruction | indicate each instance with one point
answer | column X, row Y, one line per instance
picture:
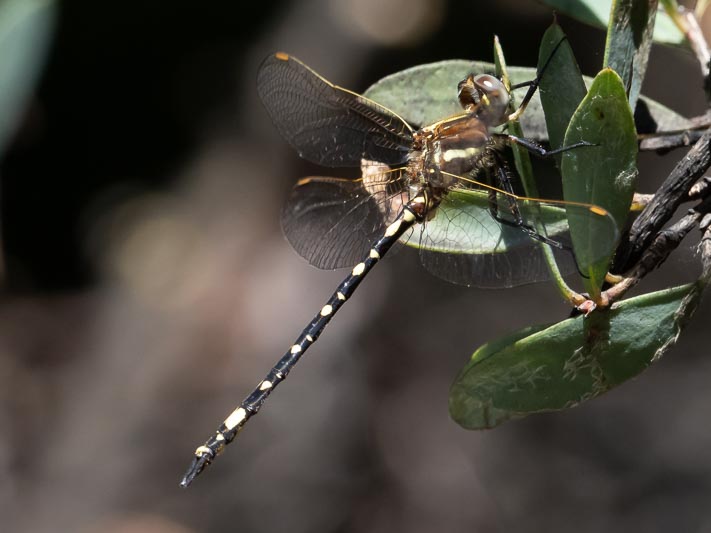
column 443, row 188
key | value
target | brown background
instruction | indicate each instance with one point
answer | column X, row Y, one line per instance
column 148, row 288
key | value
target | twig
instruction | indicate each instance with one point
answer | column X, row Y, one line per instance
column 701, row 189
column 664, row 141
column 686, row 21
column 705, row 250
column 640, row 201
column 700, row 121
column 668, row 141
column 660, row 248
column 670, row 196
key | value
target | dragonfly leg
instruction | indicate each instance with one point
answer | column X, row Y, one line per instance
column 518, row 221
column 533, row 84
column 536, row 148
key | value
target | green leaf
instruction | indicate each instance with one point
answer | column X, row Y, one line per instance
column 549, row 368
column 597, row 13
column 562, row 87
column 603, row 174
column 435, row 96
column 25, row 29
column 476, row 231
column 428, row 93
column 629, row 40
column 522, row 158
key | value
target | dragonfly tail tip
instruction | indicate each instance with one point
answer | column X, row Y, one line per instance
column 197, row 465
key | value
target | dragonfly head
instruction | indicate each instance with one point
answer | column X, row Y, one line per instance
column 486, row 96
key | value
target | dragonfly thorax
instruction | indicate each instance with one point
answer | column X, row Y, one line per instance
column 453, row 147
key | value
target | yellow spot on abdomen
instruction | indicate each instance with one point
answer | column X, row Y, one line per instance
column 393, row 228
column 374, row 254
column 295, row 348
column 358, row 269
column 266, row 385
column 326, row 310
column 202, row 450
column 236, row 418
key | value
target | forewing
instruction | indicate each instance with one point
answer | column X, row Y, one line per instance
column 332, row 222
column 326, row 124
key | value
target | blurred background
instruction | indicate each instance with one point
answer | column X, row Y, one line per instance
column 147, row 288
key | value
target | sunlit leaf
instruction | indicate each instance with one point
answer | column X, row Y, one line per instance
column 427, row 93
column 602, row 174
column 629, row 40
column 552, row 368
column 562, row 87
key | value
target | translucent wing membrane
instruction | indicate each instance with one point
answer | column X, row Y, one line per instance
column 326, row 124
column 478, row 235
column 474, row 234
column 464, row 243
column 332, row 222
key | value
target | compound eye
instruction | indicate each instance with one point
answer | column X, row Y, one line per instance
column 489, row 85
column 492, row 87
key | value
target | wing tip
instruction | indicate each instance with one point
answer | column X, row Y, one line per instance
column 282, row 56
column 598, row 210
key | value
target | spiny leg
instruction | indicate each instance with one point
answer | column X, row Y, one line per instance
column 530, row 231
column 533, row 84
column 536, row 148
column 518, row 222
column 412, row 213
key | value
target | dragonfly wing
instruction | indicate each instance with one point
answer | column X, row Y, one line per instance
column 465, row 244
column 332, row 223
column 326, row 124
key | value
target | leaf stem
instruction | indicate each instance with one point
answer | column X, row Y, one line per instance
column 525, row 172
